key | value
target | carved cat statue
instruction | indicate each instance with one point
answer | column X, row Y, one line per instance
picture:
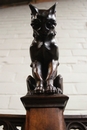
column 44, row 53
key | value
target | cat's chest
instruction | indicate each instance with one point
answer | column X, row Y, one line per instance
column 44, row 45
column 41, row 46
column 42, row 50
column 45, row 50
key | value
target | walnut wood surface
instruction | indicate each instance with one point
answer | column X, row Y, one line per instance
column 45, row 119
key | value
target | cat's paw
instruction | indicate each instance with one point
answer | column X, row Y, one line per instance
column 51, row 89
column 39, row 90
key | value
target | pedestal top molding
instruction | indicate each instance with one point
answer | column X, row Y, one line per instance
column 44, row 101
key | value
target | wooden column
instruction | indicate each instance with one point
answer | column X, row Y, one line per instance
column 44, row 112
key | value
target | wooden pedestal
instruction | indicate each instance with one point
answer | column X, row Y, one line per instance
column 44, row 112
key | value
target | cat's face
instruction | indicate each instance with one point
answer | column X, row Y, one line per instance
column 43, row 22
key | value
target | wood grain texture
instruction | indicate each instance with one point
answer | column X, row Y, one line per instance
column 45, row 119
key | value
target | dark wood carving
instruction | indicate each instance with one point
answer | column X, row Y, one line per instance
column 44, row 53
column 44, row 101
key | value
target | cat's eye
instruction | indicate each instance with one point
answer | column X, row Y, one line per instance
column 36, row 24
column 50, row 24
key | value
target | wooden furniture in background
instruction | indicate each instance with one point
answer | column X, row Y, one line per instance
column 17, row 122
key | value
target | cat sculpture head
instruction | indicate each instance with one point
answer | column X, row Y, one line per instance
column 43, row 22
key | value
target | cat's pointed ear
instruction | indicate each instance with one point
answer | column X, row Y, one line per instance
column 33, row 9
column 52, row 9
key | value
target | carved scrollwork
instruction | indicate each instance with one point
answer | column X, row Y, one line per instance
column 76, row 126
column 7, row 125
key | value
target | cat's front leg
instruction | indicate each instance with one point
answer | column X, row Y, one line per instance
column 52, row 72
column 37, row 74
